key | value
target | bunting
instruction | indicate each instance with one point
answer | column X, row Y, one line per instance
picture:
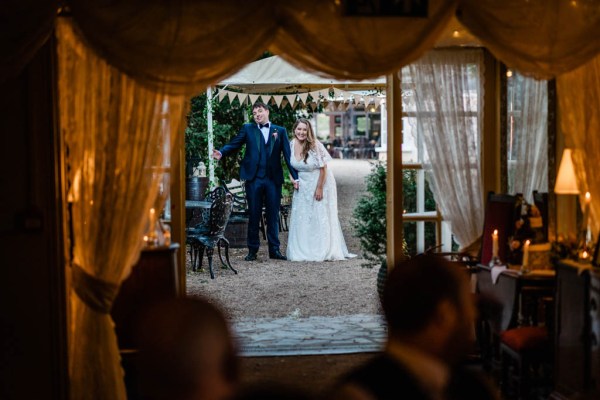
column 254, row 98
column 242, row 97
column 303, row 97
column 278, row 100
column 340, row 100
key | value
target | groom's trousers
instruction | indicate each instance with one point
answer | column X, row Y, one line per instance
column 259, row 192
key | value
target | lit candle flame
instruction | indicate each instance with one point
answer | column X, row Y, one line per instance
column 584, row 254
column 525, row 261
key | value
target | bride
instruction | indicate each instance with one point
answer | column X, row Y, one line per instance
column 315, row 233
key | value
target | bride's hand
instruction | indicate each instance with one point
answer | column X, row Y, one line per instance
column 296, row 183
column 319, row 194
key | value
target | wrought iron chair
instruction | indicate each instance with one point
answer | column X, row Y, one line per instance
column 212, row 234
column 240, row 205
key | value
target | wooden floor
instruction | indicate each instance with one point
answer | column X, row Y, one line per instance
column 314, row 374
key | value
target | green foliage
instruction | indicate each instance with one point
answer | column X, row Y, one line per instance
column 370, row 217
column 409, row 202
column 227, row 120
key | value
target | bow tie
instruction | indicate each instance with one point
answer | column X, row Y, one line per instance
column 263, row 125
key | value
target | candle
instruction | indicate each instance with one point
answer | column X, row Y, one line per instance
column 586, row 214
column 152, row 219
column 584, row 255
column 495, row 243
column 152, row 238
column 526, row 253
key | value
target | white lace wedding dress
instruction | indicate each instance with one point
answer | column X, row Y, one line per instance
column 315, row 233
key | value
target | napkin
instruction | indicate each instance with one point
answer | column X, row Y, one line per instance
column 496, row 271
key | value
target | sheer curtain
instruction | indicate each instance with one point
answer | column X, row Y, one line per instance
column 448, row 92
column 527, row 137
column 115, row 132
column 162, row 44
column 315, row 35
column 579, row 101
column 540, row 38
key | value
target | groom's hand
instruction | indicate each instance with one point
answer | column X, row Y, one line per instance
column 296, row 184
column 216, row 154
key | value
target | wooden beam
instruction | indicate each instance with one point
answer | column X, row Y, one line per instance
column 394, row 171
column 491, row 149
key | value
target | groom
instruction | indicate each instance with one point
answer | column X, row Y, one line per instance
column 261, row 170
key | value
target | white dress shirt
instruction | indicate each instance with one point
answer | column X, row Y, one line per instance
column 265, row 131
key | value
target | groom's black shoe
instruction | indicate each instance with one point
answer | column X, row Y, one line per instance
column 277, row 255
column 251, row 256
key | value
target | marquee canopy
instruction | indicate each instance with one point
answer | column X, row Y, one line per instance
column 274, row 75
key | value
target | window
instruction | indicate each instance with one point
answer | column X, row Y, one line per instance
column 422, row 221
column 423, row 224
column 526, row 128
column 450, row 128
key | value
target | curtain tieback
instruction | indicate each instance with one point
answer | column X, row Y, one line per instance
column 94, row 292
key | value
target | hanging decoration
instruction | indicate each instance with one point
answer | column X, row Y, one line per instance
column 337, row 98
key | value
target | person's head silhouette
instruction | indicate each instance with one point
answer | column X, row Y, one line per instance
column 186, row 352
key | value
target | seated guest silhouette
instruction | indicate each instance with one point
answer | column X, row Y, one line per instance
column 186, row 352
column 430, row 314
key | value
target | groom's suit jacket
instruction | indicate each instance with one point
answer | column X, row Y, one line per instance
column 252, row 137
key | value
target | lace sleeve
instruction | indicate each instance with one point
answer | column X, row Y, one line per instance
column 322, row 155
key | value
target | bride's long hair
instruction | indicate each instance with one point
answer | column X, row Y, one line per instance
column 309, row 143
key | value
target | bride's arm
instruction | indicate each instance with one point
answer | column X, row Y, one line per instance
column 321, row 183
column 323, row 158
column 294, row 182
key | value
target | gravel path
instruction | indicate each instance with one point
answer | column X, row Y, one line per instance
column 267, row 288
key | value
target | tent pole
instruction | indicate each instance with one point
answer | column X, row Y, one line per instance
column 209, row 122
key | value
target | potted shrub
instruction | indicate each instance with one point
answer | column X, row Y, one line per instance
column 370, row 225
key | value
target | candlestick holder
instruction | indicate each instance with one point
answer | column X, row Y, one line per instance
column 525, row 269
column 151, row 238
column 584, row 255
column 495, row 262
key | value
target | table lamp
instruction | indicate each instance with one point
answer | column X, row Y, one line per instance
column 566, row 182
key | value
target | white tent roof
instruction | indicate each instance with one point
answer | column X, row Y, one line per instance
column 273, row 74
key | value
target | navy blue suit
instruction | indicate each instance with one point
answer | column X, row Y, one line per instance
column 261, row 170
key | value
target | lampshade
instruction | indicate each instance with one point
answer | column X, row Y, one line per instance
column 566, row 182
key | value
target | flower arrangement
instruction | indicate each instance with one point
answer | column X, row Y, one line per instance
column 565, row 247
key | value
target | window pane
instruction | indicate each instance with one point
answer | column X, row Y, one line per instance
column 410, row 187
column 526, row 134
column 361, row 125
column 430, row 235
column 429, row 200
column 410, row 236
